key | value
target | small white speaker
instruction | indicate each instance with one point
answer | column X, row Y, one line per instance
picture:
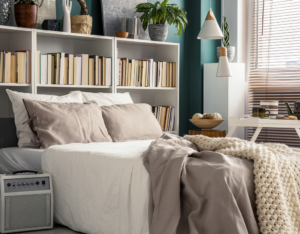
column 26, row 202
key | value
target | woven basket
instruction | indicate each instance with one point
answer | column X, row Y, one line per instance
column 206, row 123
column 81, row 24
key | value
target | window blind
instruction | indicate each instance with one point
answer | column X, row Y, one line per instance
column 274, row 72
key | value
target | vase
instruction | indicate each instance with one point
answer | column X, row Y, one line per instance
column 26, row 15
column 4, row 11
column 230, row 52
column 158, row 32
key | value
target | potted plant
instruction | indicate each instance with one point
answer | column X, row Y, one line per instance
column 26, row 12
column 158, row 14
column 226, row 42
column 82, row 23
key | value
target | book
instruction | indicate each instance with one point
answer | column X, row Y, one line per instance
column 96, row 69
column 77, row 73
column 167, row 118
column 28, row 65
column 164, row 74
column 119, row 72
column 168, row 76
column 84, row 68
column 70, row 74
column 103, row 70
column 144, row 69
column 56, row 67
column 155, row 75
column 44, row 68
column 66, row 68
column 129, row 73
column 61, row 68
column 100, row 70
column 38, row 67
column 50, row 69
column 75, row 70
column 150, row 73
column 171, row 74
column 13, row 69
column 6, row 67
column 174, row 75
column 91, row 71
column 21, row 67
column 108, row 66
column 1, row 65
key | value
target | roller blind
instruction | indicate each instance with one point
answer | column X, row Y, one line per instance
column 275, row 62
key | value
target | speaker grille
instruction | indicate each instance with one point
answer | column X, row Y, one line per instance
column 27, row 211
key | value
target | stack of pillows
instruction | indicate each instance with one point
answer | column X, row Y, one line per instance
column 81, row 117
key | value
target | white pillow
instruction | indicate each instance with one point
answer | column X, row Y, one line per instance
column 107, row 99
column 25, row 135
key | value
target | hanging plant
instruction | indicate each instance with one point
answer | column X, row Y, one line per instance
column 31, row 2
column 84, row 9
column 82, row 23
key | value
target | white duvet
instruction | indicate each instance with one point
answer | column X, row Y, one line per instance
column 100, row 187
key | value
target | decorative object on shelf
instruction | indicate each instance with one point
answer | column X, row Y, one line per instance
column 226, row 42
column 51, row 25
column 209, row 133
column 4, row 11
column 271, row 106
column 46, row 12
column 122, row 34
column 159, row 14
column 210, row 29
column 26, row 12
column 260, row 112
column 197, row 116
column 114, row 10
column 296, row 112
column 67, row 7
column 131, row 27
column 223, row 67
column 82, row 23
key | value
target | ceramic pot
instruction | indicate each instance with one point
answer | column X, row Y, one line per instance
column 230, row 52
column 158, row 32
column 26, row 15
column 4, row 11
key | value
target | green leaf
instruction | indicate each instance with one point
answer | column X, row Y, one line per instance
column 164, row 3
column 144, row 5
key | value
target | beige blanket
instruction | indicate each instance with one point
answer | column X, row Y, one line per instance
column 277, row 179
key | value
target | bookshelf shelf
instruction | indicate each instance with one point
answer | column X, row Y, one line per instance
column 53, row 42
column 74, row 86
column 147, row 88
column 15, row 84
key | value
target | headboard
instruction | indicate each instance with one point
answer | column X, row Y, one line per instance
column 8, row 133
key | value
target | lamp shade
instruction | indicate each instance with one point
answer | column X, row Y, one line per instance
column 223, row 68
column 210, row 29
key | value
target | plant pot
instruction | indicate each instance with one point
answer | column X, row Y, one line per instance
column 4, row 11
column 230, row 52
column 26, row 15
column 158, row 32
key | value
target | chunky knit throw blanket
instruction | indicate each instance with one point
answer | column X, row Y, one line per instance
column 277, row 179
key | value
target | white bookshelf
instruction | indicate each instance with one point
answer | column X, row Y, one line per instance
column 13, row 38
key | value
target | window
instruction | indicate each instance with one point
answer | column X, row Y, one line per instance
column 275, row 62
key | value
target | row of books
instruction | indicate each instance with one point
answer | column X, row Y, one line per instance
column 15, row 67
column 165, row 115
column 73, row 69
column 146, row 73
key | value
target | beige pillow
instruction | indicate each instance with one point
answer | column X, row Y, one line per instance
column 131, row 122
column 26, row 138
column 65, row 123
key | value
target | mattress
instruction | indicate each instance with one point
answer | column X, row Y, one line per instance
column 17, row 159
column 100, row 187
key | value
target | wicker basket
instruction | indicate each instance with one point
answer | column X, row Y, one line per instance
column 206, row 123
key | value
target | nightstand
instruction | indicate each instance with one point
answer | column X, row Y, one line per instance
column 209, row 133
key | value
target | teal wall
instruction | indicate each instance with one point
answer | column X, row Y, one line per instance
column 193, row 52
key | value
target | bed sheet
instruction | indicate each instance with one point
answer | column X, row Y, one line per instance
column 16, row 159
column 100, row 187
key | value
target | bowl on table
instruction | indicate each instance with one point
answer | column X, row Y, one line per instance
column 207, row 123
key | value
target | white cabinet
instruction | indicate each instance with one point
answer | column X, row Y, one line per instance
column 225, row 95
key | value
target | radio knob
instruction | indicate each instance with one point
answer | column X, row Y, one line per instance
column 32, row 183
column 9, row 184
column 37, row 182
column 19, row 184
column 23, row 184
column 28, row 183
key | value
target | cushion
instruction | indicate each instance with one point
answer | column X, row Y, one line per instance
column 26, row 138
column 63, row 123
column 107, row 99
column 131, row 122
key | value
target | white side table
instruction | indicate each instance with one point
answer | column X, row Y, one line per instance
column 249, row 121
